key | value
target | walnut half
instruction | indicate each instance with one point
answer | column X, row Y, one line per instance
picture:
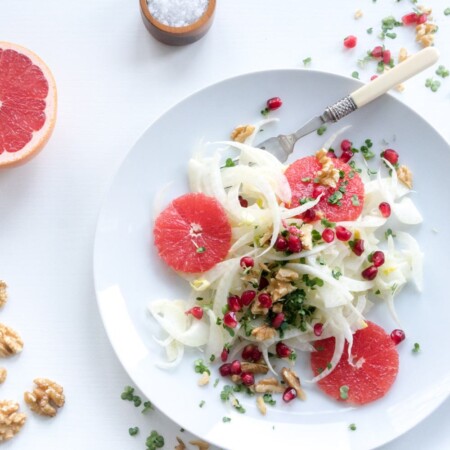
column 10, row 341
column 46, row 397
column 11, row 421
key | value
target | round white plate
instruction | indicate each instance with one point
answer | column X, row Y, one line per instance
column 128, row 273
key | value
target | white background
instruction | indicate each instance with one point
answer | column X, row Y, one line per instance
column 113, row 80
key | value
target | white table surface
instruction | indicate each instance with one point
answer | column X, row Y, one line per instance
column 113, row 80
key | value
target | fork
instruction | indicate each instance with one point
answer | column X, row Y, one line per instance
column 283, row 145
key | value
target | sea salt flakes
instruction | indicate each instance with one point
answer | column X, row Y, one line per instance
column 177, row 13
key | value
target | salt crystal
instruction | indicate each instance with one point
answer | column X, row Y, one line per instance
column 177, row 13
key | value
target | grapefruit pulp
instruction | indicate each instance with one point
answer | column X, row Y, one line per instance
column 27, row 104
column 193, row 233
column 350, row 188
column 374, row 369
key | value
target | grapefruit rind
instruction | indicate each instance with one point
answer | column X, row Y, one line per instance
column 40, row 137
column 375, row 368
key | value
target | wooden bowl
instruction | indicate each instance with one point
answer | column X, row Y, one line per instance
column 178, row 35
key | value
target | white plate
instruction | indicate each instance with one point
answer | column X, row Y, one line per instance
column 128, row 273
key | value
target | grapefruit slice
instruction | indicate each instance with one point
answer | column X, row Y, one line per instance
column 344, row 202
column 193, row 233
column 375, row 368
column 27, row 104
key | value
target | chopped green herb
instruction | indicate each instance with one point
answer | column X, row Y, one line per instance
column 434, row 85
column 293, row 356
column 388, row 233
column 341, row 174
column 336, row 272
column 154, row 441
column 369, row 30
column 212, row 358
column 238, row 407
column 200, row 367
column 352, row 427
column 226, row 392
column 327, row 224
column 133, row 431
column 218, row 321
column 304, row 200
column 380, row 67
column 316, row 236
column 388, row 24
column 355, row 200
column 329, row 366
column 416, row 348
column 442, row 72
column 127, row 393
column 147, row 407
column 201, row 249
column 201, row 404
column 199, row 299
column 335, row 199
column 226, row 419
column 269, row 400
column 352, row 164
column 321, row 130
column 366, row 149
column 229, row 163
column 391, row 35
column 343, row 392
column 306, row 179
column 307, row 61
column 447, row 12
column 216, row 382
column 137, row 401
column 371, row 172
column 355, row 74
column 265, row 112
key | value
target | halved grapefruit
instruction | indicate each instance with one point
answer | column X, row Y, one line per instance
column 374, row 369
column 345, row 202
column 27, row 104
column 193, row 233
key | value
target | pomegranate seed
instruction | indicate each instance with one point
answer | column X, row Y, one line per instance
column 410, row 19
column 318, row 329
column 247, row 261
column 274, row 103
column 225, row 369
column 281, row 244
column 196, row 311
column 257, row 354
column 289, row 394
column 385, row 209
column 350, row 41
column 346, row 156
column 387, row 56
column 378, row 258
column 346, row 145
column 243, row 202
column 247, row 378
column 247, row 352
column 398, row 336
column 235, row 367
column 377, row 52
column 373, row 77
column 278, row 320
column 319, row 189
column 342, row 233
column 247, row 297
column 309, row 215
column 229, row 319
column 370, row 273
column 390, row 155
column 294, row 244
column 224, row 354
column 358, row 247
column 328, row 235
column 331, row 154
column 283, row 351
column 263, row 283
column 265, row 300
column 422, row 18
column 234, row 303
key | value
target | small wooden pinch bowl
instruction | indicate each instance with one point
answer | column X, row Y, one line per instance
column 178, row 35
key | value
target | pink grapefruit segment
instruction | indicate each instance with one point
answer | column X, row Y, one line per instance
column 301, row 175
column 375, row 368
column 193, row 233
column 27, row 104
